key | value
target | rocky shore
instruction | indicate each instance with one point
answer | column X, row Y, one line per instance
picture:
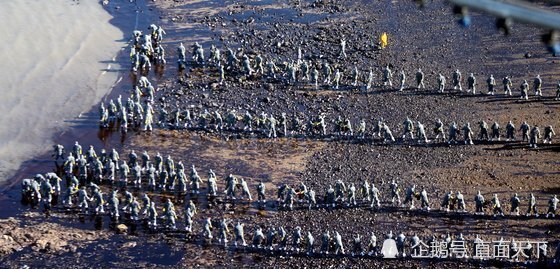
column 427, row 38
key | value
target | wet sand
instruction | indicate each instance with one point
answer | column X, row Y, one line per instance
column 59, row 59
column 78, row 117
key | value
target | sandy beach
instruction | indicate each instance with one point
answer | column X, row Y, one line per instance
column 62, row 58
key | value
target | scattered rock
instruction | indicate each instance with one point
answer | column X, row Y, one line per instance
column 129, row 244
column 122, row 229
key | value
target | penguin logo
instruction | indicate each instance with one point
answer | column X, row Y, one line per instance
column 389, row 249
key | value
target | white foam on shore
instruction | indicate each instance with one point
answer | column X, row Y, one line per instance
column 54, row 60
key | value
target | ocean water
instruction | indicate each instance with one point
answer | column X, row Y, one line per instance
column 57, row 61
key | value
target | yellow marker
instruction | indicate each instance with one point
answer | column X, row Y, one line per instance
column 384, row 40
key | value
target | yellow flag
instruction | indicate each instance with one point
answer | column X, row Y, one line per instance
column 384, row 40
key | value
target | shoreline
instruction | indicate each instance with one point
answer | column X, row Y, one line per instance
column 85, row 126
column 315, row 162
column 48, row 83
